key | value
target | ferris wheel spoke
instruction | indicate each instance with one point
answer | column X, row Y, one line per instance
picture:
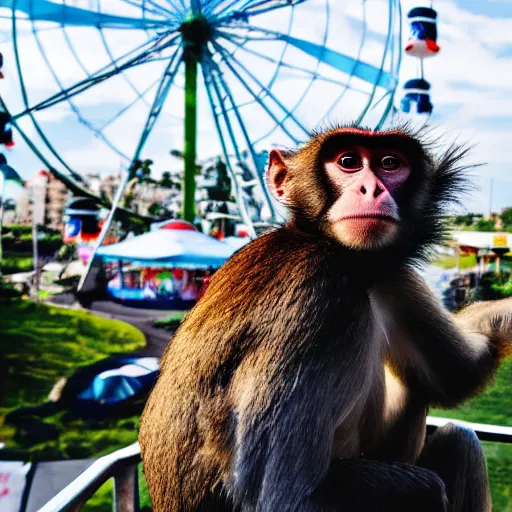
column 339, row 61
column 155, row 7
column 289, row 112
column 257, row 7
column 221, row 102
column 257, row 96
column 212, row 90
column 72, row 105
column 224, row 86
column 140, row 97
column 389, row 41
column 229, row 5
column 268, row 36
column 314, row 75
column 24, row 96
column 212, row 5
column 112, row 58
column 44, row 10
column 174, row 12
column 70, row 46
column 127, row 61
column 164, row 87
column 196, row 6
column 135, row 3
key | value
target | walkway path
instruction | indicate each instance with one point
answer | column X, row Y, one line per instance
column 156, row 338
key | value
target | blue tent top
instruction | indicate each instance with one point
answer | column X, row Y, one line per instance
column 118, row 384
column 170, row 248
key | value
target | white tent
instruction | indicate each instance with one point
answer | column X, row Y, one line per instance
column 170, row 248
column 483, row 240
column 236, row 242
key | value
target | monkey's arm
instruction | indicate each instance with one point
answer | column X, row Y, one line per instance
column 447, row 357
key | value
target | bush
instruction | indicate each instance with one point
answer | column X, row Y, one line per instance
column 8, row 292
column 171, row 323
column 504, row 290
column 46, row 245
column 67, row 252
column 17, row 231
column 484, row 225
column 16, row 262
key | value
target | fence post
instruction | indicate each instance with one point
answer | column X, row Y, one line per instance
column 126, row 489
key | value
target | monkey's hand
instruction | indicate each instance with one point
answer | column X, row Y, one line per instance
column 449, row 357
column 492, row 319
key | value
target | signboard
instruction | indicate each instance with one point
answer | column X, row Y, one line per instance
column 500, row 241
column 12, row 484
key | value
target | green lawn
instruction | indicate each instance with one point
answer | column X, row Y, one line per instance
column 39, row 345
column 468, row 261
column 13, row 262
column 172, row 321
column 493, row 407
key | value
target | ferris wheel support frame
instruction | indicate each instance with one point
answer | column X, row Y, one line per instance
column 189, row 174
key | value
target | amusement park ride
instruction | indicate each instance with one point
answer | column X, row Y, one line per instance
column 266, row 76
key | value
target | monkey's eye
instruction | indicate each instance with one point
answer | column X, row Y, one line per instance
column 390, row 163
column 350, row 162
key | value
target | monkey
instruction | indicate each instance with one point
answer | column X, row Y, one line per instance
column 302, row 378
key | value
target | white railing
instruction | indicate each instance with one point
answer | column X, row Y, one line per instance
column 122, row 466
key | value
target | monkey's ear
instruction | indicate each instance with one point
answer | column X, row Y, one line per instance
column 277, row 176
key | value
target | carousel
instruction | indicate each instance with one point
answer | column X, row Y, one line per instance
column 168, row 268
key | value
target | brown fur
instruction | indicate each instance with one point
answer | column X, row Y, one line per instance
column 273, row 394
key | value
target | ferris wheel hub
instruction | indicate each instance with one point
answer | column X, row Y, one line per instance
column 196, row 31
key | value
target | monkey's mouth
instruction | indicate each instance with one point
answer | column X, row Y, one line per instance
column 369, row 216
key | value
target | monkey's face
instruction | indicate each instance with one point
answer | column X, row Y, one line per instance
column 353, row 192
column 365, row 183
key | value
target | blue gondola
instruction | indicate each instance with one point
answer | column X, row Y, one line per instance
column 417, row 91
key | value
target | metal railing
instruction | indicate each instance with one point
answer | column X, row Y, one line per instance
column 122, row 467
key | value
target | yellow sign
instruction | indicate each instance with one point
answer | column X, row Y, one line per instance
column 500, row 241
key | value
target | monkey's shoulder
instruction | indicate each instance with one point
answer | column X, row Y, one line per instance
column 283, row 248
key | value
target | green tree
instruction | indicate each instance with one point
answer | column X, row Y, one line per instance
column 466, row 220
column 144, row 172
column 157, row 209
column 166, row 180
column 67, row 252
column 506, row 217
column 484, row 225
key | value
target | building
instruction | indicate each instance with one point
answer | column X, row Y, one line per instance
column 108, row 185
column 143, row 195
column 44, row 197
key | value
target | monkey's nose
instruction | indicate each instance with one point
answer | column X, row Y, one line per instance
column 367, row 190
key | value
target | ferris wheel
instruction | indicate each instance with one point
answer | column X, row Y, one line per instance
column 101, row 82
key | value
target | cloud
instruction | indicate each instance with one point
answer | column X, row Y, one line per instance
column 471, row 90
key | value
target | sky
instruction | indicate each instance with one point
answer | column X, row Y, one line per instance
column 472, row 88
column 471, row 82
